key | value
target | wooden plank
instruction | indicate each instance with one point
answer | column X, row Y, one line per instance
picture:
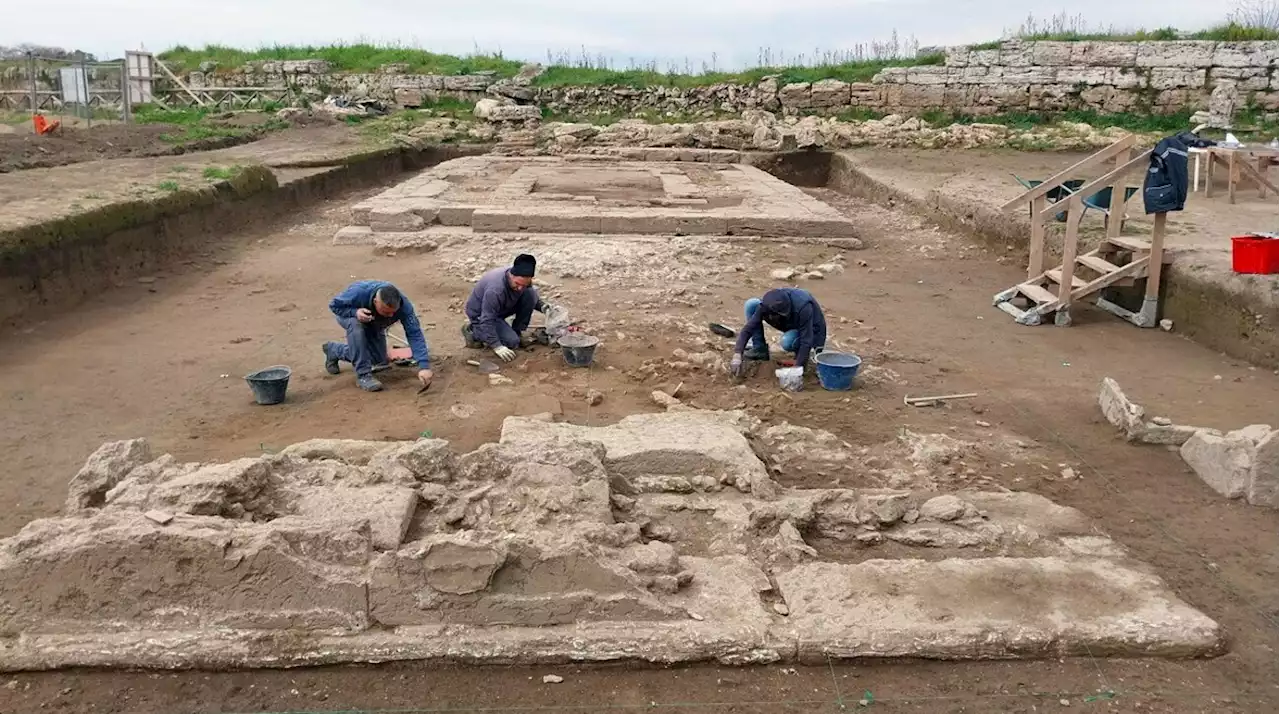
column 1127, row 271
column 1056, row 276
column 177, row 81
column 1157, row 253
column 1121, row 145
column 1037, row 294
column 1258, row 177
column 1097, row 264
column 1233, row 177
column 1133, row 244
column 1115, row 211
column 1093, row 186
column 1035, row 265
column 1069, row 246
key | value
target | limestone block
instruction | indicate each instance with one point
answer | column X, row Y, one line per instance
column 105, row 468
column 973, row 75
column 387, row 509
column 1126, row 77
column 957, row 56
column 929, row 75
column 1181, row 53
column 395, row 220
column 1238, row 464
column 515, row 113
column 922, row 95
column 1104, row 54
column 1173, row 98
column 1028, row 75
column 1082, row 75
column 1247, row 79
column 1016, row 53
column 984, row 58
column 309, row 66
column 891, row 75
column 424, row 460
column 193, row 572
column 796, row 95
column 1176, row 78
column 1119, row 411
column 829, row 93
column 1051, row 54
column 864, row 94
column 1244, row 54
column 355, row 452
column 409, row 96
column 468, row 83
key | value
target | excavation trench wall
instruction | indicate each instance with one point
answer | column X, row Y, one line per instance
column 62, row 263
column 1235, row 314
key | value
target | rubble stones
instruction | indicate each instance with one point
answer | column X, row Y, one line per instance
column 103, row 470
column 1130, row 419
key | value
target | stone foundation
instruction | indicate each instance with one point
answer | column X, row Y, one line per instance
column 661, row 538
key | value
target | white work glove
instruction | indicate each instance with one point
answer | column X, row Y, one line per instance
column 735, row 365
column 506, row 354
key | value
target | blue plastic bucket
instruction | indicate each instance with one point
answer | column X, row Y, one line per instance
column 836, row 370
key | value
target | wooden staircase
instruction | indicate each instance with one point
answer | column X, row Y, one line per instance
column 1117, row 261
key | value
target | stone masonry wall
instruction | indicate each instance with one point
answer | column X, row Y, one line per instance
column 1143, row 77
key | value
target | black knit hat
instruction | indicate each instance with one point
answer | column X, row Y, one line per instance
column 524, row 266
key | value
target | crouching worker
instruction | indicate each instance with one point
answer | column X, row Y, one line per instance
column 365, row 310
column 500, row 294
column 792, row 310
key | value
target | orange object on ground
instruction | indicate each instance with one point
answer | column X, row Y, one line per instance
column 44, row 126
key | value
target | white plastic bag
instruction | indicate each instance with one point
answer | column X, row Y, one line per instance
column 790, row 378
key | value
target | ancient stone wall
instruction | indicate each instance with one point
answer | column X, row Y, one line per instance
column 1142, row 77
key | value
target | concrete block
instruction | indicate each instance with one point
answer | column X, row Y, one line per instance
column 1238, row 464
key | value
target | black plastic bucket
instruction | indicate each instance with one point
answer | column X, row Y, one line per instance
column 269, row 385
column 579, row 349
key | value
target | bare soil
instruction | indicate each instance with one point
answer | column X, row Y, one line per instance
column 25, row 150
column 164, row 359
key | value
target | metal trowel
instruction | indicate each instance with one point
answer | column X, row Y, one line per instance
column 484, row 365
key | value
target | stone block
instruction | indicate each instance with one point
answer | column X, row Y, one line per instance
column 1015, row 53
column 984, row 58
column 922, row 95
column 1187, row 54
column 1238, row 464
column 894, row 607
column 1126, row 77
column 890, row 75
column 468, row 83
column 105, row 467
column 354, row 452
column 353, row 235
column 1119, row 411
column 829, row 93
column 387, row 509
column 929, row 75
column 1247, row 79
column 973, row 75
column 411, row 97
column 1051, row 54
column 389, row 220
column 957, row 56
column 1082, row 75
column 1104, row 54
column 515, row 113
column 455, row 215
column 864, row 94
column 796, row 95
column 1028, row 75
column 504, row 221
column 1176, row 78
column 1244, row 54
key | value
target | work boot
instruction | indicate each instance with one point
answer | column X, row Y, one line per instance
column 760, row 354
column 330, row 362
column 368, row 383
column 468, row 340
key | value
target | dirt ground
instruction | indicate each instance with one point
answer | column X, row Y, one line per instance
column 22, row 149
column 164, row 359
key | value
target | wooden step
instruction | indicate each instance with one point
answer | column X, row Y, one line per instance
column 1056, row 276
column 1098, row 264
column 1036, row 293
column 1134, row 244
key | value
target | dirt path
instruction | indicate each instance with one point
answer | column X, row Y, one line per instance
column 164, row 359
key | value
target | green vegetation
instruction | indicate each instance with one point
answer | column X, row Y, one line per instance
column 348, row 58
column 1235, row 32
column 169, row 186
column 220, row 173
column 197, row 123
column 853, row 71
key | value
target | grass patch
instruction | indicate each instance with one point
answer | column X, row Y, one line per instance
column 1235, row 32
column 168, row 186
column 220, row 173
column 200, row 132
column 360, row 57
column 860, row 71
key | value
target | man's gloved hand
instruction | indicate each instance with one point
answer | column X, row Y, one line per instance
column 735, row 365
column 506, row 354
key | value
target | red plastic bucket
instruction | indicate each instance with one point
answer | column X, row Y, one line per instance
column 1257, row 255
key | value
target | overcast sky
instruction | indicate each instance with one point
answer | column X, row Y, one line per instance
column 526, row 29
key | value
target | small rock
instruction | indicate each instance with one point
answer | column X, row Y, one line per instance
column 497, row 380
column 1166, row 325
column 781, row 608
column 982, row 423
column 1161, row 421
column 1065, row 702
column 161, row 517
column 696, row 616
column 1217, row 378
column 594, row 397
column 1069, row 473
column 782, row 274
column 813, row 275
column 147, row 280
column 663, row 399
column 552, row 679
column 241, row 340
column 462, row 411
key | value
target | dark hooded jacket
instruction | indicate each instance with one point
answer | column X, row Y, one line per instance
column 788, row 309
column 1165, row 187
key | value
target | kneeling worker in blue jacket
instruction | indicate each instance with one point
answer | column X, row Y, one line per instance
column 792, row 310
column 365, row 310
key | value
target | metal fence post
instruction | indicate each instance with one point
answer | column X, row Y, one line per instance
column 31, row 67
column 84, row 82
column 125, row 104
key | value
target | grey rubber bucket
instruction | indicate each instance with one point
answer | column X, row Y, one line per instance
column 269, row 385
column 579, row 349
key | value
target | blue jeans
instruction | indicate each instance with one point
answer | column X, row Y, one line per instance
column 509, row 332
column 366, row 345
column 757, row 342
